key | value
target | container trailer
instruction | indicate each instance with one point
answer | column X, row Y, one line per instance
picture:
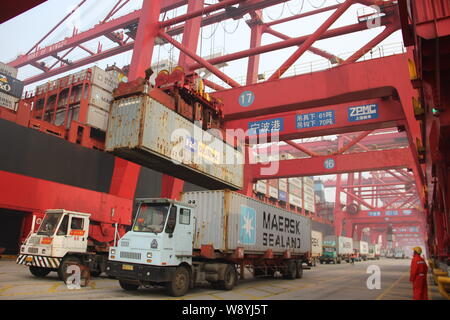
column 362, row 250
column 204, row 238
column 316, row 247
column 67, row 237
column 336, row 249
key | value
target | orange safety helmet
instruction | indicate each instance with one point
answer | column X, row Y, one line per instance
column 418, row 250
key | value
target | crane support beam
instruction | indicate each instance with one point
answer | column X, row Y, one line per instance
column 344, row 163
column 390, row 114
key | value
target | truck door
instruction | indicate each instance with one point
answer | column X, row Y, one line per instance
column 178, row 235
column 78, row 233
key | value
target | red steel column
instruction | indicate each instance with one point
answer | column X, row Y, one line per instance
column 338, row 213
column 257, row 29
column 145, row 39
column 191, row 33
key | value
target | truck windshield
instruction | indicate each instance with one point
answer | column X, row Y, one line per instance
column 151, row 217
column 49, row 225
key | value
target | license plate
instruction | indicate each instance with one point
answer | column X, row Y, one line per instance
column 29, row 259
column 127, row 267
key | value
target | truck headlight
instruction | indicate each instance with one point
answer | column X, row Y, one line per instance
column 22, row 249
column 43, row 251
column 149, row 254
column 113, row 251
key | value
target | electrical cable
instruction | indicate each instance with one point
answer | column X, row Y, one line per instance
column 281, row 14
column 212, row 32
column 317, row 7
column 235, row 29
column 301, row 8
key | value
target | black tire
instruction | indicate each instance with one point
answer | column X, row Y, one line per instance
column 179, row 285
column 291, row 271
column 39, row 272
column 128, row 286
column 299, row 270
column 62, row 271
column 230, row 279
column 96, row 273
column 339, row 261
column 328, row 261
column 321, row 261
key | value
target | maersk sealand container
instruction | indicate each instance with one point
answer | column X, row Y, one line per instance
column 229, row 220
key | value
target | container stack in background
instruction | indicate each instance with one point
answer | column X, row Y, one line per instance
column 11, row 88
column 94, row 85
column 308, row 194
column 298, row 193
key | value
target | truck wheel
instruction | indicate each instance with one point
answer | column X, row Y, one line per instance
column 339, row 261
column 321, row 261
column 39, row 272
column 128, row 286
column 62, row 271
column 299, row 271
column 180, row 283
column 230, row 279
column 291, row 271
column 96, row 273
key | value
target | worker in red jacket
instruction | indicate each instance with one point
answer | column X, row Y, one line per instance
column 418, row 275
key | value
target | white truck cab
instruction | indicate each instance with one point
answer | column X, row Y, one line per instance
column 160, row 240
column 61, row 236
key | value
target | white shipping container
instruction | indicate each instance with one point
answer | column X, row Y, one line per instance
column 8, row 101
column 295, row 200
column 7, row 69
column 308, row 181
column 97, row 118
column 282, row 185
column 261, row 186
column 103, row 79
column 361, row 246
column 273, row 192
column 310, row 207
column 345, row 244
column 229, row 220
column 296, row 182
column 144, row 131
column 308, row 190
column 100, row 98
column 316, row 243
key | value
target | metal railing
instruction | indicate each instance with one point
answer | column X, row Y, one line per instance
column 321, row 65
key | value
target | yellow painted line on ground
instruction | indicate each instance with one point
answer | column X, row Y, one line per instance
column 6, row 288
column 54, row 288
column 216, row 296
column 392, row 286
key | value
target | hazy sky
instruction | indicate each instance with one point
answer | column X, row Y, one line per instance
column 21, row 33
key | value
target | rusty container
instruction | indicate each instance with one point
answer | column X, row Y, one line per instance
column 142, row 130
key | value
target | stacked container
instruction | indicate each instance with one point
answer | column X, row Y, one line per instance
column 98, row 95
column 308, row 194
column 10, row 88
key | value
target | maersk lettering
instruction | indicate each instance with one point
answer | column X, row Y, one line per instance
column 276, row 224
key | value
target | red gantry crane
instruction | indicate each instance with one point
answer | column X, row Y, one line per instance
column 370, row 105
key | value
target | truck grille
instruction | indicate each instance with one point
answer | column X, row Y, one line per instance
column 33, row 250
column 34, row 240
column 130, row 255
